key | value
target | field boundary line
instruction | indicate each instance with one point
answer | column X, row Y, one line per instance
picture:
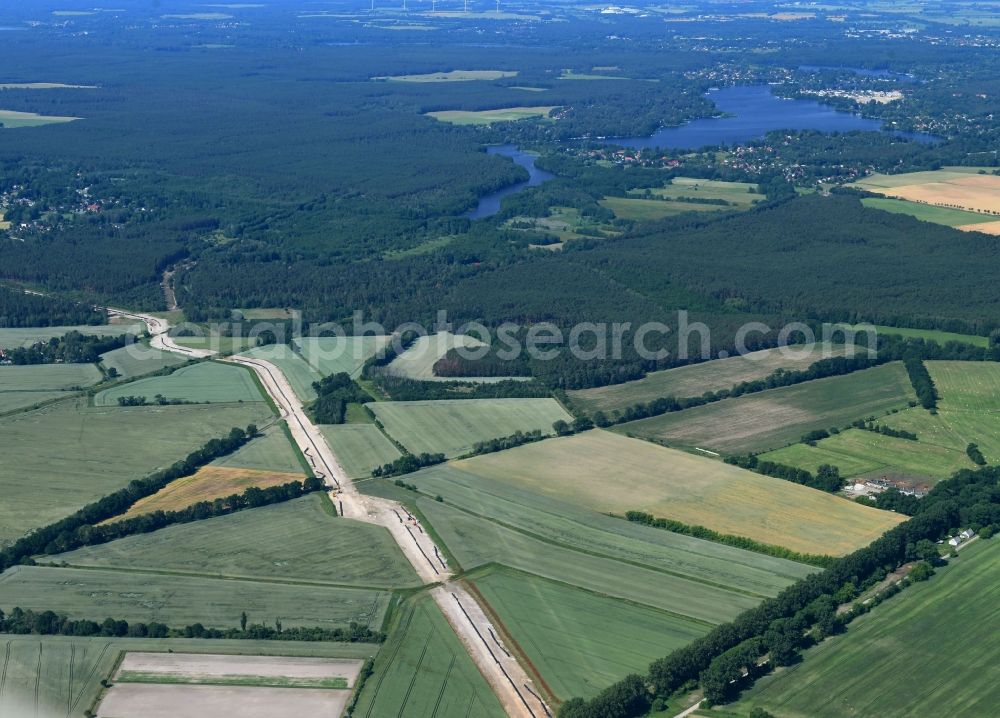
column 219, row 577
column 596, row 554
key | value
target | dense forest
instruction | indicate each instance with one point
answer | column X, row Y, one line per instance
column 22, row 309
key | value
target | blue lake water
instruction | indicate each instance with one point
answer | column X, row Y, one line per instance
column 752, row 111
column 490, row 204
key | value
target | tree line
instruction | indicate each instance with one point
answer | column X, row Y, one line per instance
column 923, row 385
column 407, row 464
column 747, row 544
column 826, row 478
column 20, row 309
column 71, row 348
column 967, row 499
column 49, row 623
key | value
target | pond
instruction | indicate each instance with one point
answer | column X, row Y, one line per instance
column 752, row 111
column 489, row 205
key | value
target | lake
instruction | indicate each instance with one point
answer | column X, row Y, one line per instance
column 490, row 204
column 752, row 111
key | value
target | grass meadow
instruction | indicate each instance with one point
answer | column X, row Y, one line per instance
column 296, row 541
column 938, row 336
column 694, row 379
column 609, row 473
column 176, row 601
column 451, row 76
column 423, row 670
column 646, row 210
column 63, row 456
column 924, row 652
column 926, row 212
column 488, row 117
column 453, row 426
column 778, row 417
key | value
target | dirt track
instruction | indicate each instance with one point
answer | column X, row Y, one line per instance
column 506, row 677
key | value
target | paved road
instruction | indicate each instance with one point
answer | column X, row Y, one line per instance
column 481, row 639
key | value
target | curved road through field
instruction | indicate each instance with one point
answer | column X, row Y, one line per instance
column 505, row 675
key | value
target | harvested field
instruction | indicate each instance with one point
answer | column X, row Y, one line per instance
column 963, row 190
column 204, row 382
column 360, row 448
column 10, row 119
column 992, row 228
column 594, row 470
column 696, row 379
column 209, row 669
column 61, row 675
column 778, row 417
column 209, row 483
column 182, row 601
column 141, row 700
column 967, row 386
column 453, row 426
column 296, row 541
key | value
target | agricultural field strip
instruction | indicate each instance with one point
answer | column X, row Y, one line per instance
column 939, row 658
column 567, row 526
column 477, row 544
column 96, row 594
column 63, row 672
column 205, row 667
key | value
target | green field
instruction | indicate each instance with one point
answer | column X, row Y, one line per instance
column 360, row 448
column 299, row 373
column 133, row 596
column 927, row 212
column 488, row 117
column 63, row 674
column 938, row 336
column 216, row 342
column 696, row 379
column 918, row 654
column 580, row 642
column 743, row 194
column 16, row 400
column 608, row 473
column 967, row 386
column 332, row 355
column 293, row 541
column 570, row 526
column 451, row 76
column 645, row 210
column 423, row 670
column 270, row 452
column 9, row 119
column 864, row 453
column 11, row 338
column 477, row 543
column 131, row 364
column 969, row 412
column 453, row 426
column 204, row 382
column 48, row 377
column 778, row 417
column 63, row 456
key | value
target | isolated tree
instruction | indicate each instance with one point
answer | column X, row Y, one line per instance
column 243, row 621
